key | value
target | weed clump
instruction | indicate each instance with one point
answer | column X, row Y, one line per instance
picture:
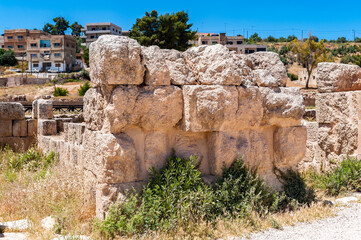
column 345, row 177
column 83, row 88
column 176, row 197
column 58, row 91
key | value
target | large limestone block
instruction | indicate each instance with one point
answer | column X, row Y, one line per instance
column 165, row 66
column 18, row 144
column 289, row 146
column 45, row 109
column 337, row 107
column 282, row 106
column 268, row 69
column 336, row 77
column 117, row 160
column 115, row 60
column 215, row 64
column 149, row 107
column 156, row 150
column 32, row 127
column 94, row 104
column 6, row 128
column 312, row 130
column 253, row 146
column 20, row 128
column 11, row 111
column 208, row 108
column 250, row 108
column 47, row 127
column 34, row 110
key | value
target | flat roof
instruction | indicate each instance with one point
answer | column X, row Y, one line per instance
column 101, row 24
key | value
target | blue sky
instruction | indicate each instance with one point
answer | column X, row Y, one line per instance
column 325, row 19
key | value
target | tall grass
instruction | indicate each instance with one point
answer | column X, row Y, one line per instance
column 343, row 178
column 34, row 186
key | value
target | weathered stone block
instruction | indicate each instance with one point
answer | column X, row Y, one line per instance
column 148, row 107
column 156, row 150
column 115, row 60
column 6, row 128
column 282, row 106
column 312, row 130
column 94, row 105
column 60, row 123
column 32, row 127
column 34, row 110
column 11, row 111
column 45, row 109
column 289, row 146
column 268, row 69
column 18, row 144
column 208, row 108
column 47, row 127
column 165, row 66
column 216, row 65
column 336, row 77
column 20, row 128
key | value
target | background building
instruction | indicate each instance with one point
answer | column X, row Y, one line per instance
column 233, row 43
column 16, row 40
column 93, row 31
column 51, row 52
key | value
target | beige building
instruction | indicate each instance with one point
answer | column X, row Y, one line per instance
column 16, row 39
column 93, row 31
column 2, row 42
column 51, row 52
column 233, row 43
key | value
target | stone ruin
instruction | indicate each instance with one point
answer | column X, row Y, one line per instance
column 207, row 101
column 335, row 133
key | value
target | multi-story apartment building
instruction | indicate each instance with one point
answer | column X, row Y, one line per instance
column 93, row 31
column 56, row 52
column 233, row 43
column 16, row 39
column 2, row 42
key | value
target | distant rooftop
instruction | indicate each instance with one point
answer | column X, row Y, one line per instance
column 101, row 23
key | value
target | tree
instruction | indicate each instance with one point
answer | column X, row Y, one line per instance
column 290, row 38
column 85, row 56
column 60, row 27
column 282, row 39
column 7, row 58
column 309, row 54
column 76, row 29
column 314, row 38
column 270, row 39
column 170, row 31
column 341, row 40
column 255, row 38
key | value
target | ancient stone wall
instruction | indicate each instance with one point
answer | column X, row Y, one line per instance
column 207, row 101
column 335, row 134
column 15, row 130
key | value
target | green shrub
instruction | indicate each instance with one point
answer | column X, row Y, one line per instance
column 58, row 91
column 294, row 186
column 177, row 197
column 72, row 80
column 83, row 88
column 293, row 77
column 345, row 177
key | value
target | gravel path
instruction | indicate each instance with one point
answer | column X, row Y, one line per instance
column 346, row 225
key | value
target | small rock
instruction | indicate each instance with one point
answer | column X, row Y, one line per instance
column 346, row 200
column 48, row 223
column 13, row 236
column 16, row 225
column 327, row 203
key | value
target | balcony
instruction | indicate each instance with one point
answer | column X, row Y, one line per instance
column 98, row 31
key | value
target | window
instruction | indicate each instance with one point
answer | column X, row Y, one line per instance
column 67, row 44
column 92, row 37
column 10, row 37
column 57, row 65
column 214, row 42
column 33, row 45
column 20, row 37
column 229, row 43
column 2, row 46
column 204, row 42
column 33, row 55
column 10, row 46
column 36, row 65
column 44, row 43
column 93, row 29
column 20, row 46
column 57, row 55
column 239, row 42
column 56, row 44
column 261, row 50
column 104, row 28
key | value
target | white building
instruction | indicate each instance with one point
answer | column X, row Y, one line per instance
column 93, row 31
